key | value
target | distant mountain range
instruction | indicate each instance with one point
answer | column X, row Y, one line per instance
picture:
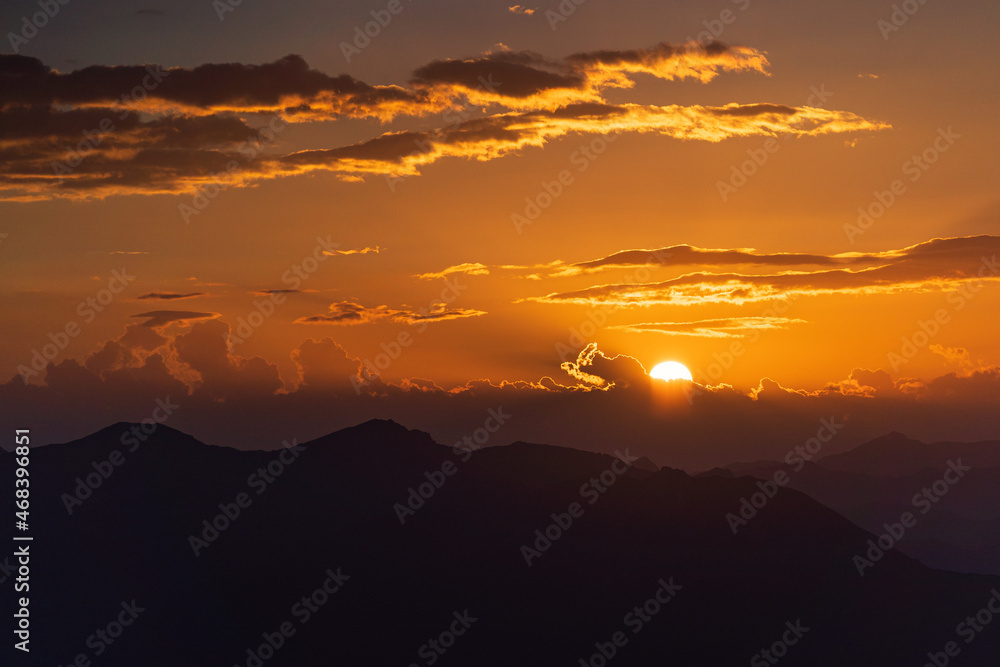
column 375, row 545
column 875, row 483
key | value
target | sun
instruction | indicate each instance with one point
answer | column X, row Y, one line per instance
column 670, row 370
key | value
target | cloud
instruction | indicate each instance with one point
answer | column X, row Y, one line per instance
column 686, row 255
column 683, row 255
column 666, row 61
column 243, row 402
column 325, row 366
column 269, row 292
column 469, row 269
column 222, row 375
column 518, row 9
column 357, row 251
column 350, row 313
column 957, row 355
column 932, row 265
column 286, row 86
column 730, row 327
column 403, row 154
column 127, row 351
column 161, row 318
column 185, row 128
column 596, row 370
column 168, row 296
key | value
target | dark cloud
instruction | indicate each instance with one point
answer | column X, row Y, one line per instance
column 249, row 88
column 228, row 399
column 169, row 296
column 324, row 366
column 506, row 74
column 223, row 376
column 177, row 130
column 929, row 265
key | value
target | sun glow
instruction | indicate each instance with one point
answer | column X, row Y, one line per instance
column 670, row 370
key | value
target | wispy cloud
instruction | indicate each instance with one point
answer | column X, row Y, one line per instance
column 933, row 265
column 469, row 269
column 732, row 327
column 356, row 251
column 161, row 318
column 195, row 121
column 346, row 313
column 169, row 296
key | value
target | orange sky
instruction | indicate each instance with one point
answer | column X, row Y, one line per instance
column 470, row 190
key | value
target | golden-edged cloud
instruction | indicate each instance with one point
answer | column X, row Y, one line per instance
column 347, row 313
column 104, row 131
column 354, row 251
column 729, row 327
column 161, row 318
column 468, row 268
column 932, row 265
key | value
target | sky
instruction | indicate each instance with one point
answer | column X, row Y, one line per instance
column 287, row 223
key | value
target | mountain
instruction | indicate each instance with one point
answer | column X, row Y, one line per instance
column 377, row 546
column 958, row 515
column 895, row 455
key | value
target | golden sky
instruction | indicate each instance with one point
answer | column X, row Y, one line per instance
column 777, row 195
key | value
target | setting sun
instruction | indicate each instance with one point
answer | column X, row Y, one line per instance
column 670, row 370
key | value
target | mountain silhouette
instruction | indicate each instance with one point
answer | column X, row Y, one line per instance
column 422, row 554
column 895, row 455
column 959, row 524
